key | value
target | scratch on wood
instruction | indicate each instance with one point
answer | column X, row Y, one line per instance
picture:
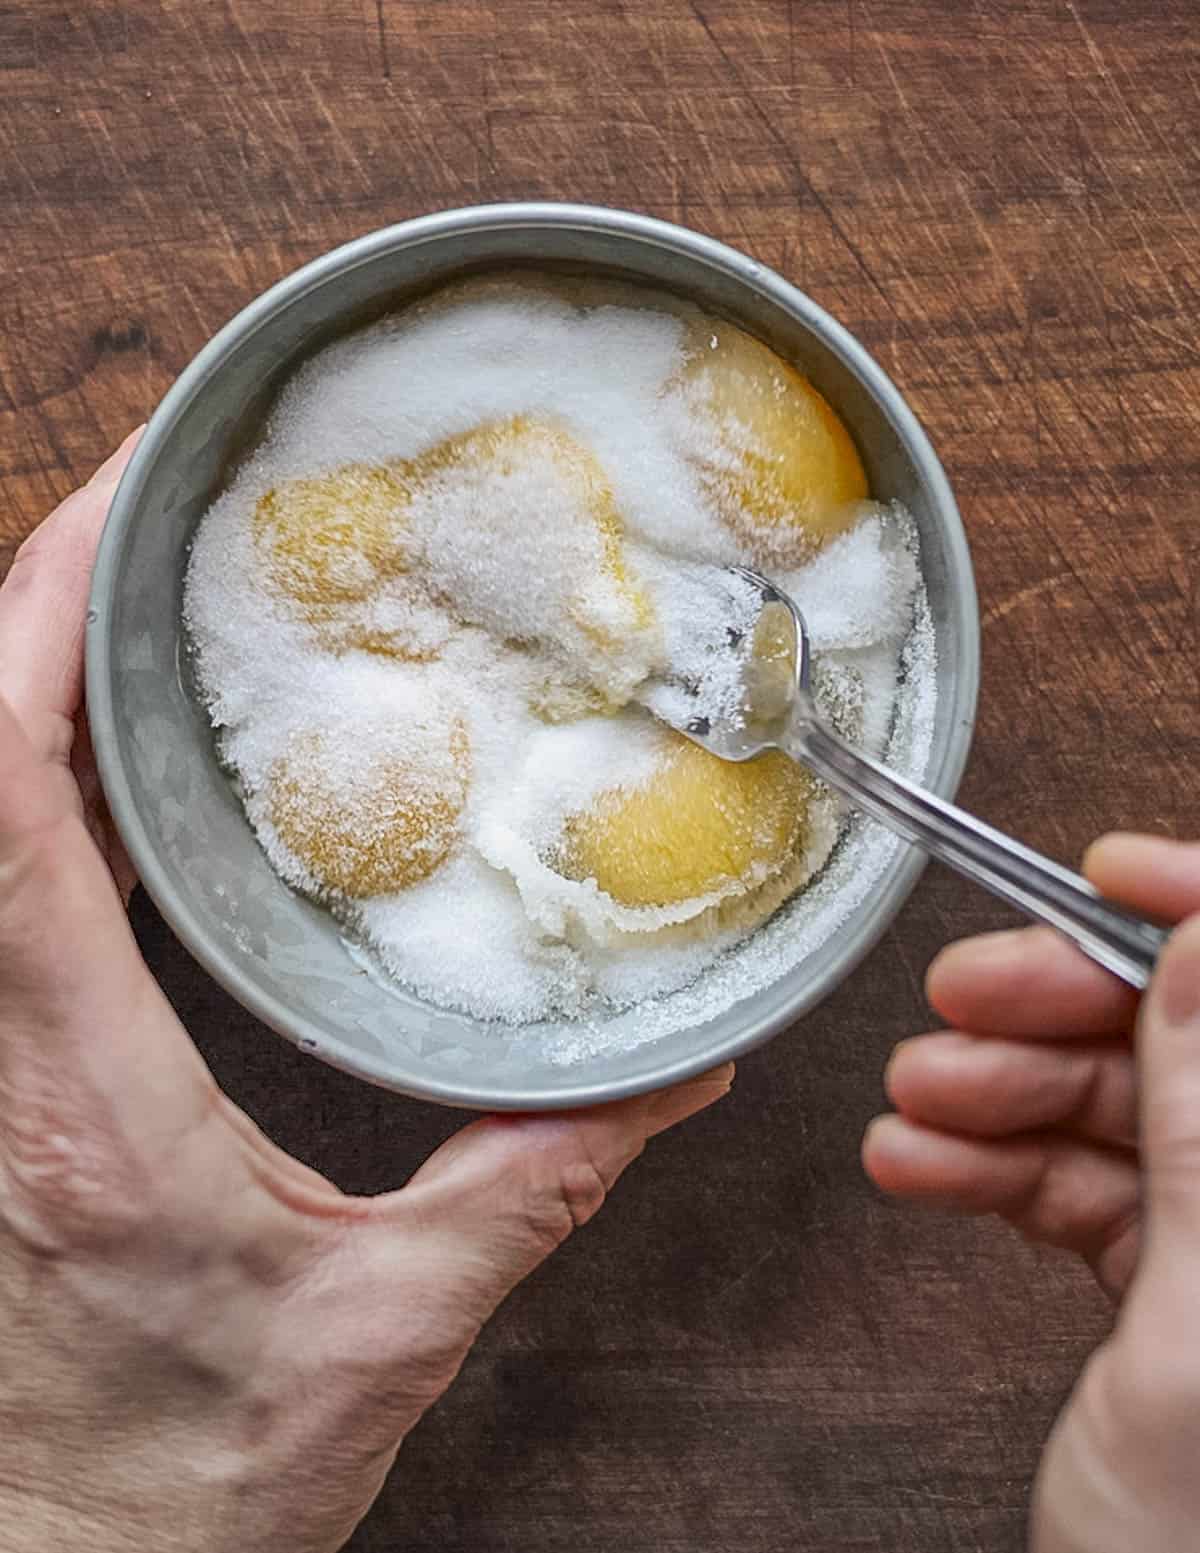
column 336, row 133
column 793, row 162
column 384, row 54
column 852, row 18
column 1023, row 596
column 744, row 1277
column 1027, row 228
column 914, row 974
column 1135, row 124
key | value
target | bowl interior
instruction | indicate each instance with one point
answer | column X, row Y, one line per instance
column 282, row 956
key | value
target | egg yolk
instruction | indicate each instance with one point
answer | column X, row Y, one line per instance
column 330, row 538
column 554, row 700
column 698, row 827
column 355, row 627
column 525, row 444
column 389, row 828
column 779, row 464
column 334, row 538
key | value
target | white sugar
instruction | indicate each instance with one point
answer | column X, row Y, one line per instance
column 707, row 612
column 858, row 591
column 570, row 568
column 467, row 922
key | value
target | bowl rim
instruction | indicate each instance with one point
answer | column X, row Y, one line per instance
column 902, row 874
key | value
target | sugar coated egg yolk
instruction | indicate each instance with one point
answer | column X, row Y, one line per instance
column 524, row 445
column 697, row 827
column 783, row 466
column 333, row 536
column 554, row 700
column 389, row 827
column 339, row 634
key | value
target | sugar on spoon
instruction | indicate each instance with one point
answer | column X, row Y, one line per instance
column 777, row 710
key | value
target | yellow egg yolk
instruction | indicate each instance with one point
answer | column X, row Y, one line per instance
column 778, row 462
column 699, row 827
column 332, row 537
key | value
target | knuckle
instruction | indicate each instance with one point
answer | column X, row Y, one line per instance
column 583, row 1190
column 546, row 1221
column 1065, row 1205
column 561, row 1199
column 1053, row 1217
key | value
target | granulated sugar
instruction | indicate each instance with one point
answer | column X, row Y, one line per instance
column 430, row 618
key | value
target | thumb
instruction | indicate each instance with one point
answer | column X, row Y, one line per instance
column 508, row 1190
column 1168, row 1051
column 492, row 1203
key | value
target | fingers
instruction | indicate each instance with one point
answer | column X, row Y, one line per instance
column 1027, row 982
column 991, row 1088
column 1168, row 1048
column 1031, row 982
column 92, row 1057
column 43, row 605
column 1033, row 1114
column 502, row 1194
column 1161, row 878
column 84, row 1031
column 1041, row 1134
column 1055, row 1190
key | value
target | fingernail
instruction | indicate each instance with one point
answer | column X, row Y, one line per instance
column 879, row 1131
column 897, row 1052
column 893, row 1136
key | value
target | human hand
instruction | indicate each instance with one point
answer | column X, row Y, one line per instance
column 203, row 1344
column 1057, row 1103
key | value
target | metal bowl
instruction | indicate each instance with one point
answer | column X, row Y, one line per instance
column 179, row 818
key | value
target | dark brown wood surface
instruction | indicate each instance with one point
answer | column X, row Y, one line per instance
column 749, row 1349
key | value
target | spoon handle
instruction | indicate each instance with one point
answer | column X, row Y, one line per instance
column 1122, row 943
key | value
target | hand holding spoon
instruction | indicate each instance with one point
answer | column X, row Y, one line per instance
column 778, row 712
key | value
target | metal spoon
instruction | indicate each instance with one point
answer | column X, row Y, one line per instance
column 779, row 712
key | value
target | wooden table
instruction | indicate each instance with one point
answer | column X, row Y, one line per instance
column 749, row 1349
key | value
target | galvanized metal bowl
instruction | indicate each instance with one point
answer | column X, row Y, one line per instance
column 180, row 820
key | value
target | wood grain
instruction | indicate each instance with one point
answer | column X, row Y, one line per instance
column 748, row 1350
